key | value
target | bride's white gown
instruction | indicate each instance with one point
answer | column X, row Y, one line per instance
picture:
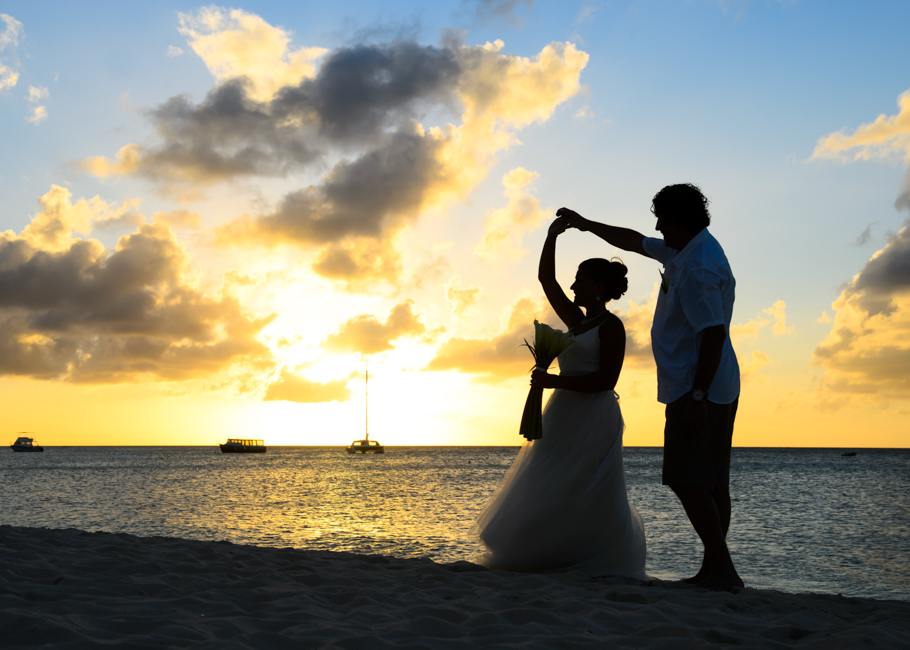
column 563, row 506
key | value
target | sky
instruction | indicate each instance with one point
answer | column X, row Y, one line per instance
column 214, row 218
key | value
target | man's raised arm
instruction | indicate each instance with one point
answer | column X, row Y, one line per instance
column 624, row 238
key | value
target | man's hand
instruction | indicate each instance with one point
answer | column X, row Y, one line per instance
column 572, row 218
column 696, row 417
column 559, row 226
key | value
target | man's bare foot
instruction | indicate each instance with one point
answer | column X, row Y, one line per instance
column 697, row 578
column 722, row 583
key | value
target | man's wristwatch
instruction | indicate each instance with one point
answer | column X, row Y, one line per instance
column 699, row 395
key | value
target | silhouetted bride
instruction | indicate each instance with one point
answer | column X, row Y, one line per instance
column 563, row 506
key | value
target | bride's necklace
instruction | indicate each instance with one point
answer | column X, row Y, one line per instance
column 591, row 319
column 586, row 322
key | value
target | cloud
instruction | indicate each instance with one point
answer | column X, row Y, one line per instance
column 883, row 138
column 751, row 329
column 413, row 169
column 293, row 388
column 37, row 94
column 358, row 93
column 497, row 359
column 865, row 236
column 239, row 44
column 365, row 334
column 505, row 227
column 462, row 299
column 504, row 357
column 38, row 115
column 496, row 11
column 72, row 310
column 868, row 348
column 586, row 13
column 9, row 38
column 361, row 108
column 749, row 368
column 886, row 137
column 778, row 312
column 179, row 219
column 491, row 11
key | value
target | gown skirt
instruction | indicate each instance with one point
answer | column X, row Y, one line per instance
column 563, row 505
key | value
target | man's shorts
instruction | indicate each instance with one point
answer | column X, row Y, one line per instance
column 703, row 457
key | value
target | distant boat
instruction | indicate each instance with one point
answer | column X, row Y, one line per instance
column 849, row 453
column 242, row 446
column 366, row 446
column 24, row 443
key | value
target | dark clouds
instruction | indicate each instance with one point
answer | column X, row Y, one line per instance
column 358, row 93
column 367, row 197
column 360, row 109
column 887, row 273
column 868, row 349
column 361, row 90
column 85, row 314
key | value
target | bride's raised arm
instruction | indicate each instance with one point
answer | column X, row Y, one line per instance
column 568, row 312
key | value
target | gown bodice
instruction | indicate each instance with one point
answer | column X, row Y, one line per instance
column 583, row 356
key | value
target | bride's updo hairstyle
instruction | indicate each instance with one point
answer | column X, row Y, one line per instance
column 612, row 273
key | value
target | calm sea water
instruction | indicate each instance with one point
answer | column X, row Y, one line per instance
column 804, row 519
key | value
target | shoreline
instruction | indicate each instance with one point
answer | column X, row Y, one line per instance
column 70, row 588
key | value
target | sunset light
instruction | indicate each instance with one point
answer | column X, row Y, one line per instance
column 214, row 217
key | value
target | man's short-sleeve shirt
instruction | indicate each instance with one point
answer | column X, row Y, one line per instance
column 697, row 291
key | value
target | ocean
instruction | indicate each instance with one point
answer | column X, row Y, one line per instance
column 804, row 520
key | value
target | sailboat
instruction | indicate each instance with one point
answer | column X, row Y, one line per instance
column 366, row 446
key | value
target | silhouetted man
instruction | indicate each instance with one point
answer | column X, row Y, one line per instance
column 697, row 371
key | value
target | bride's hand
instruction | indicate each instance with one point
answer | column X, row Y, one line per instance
column 558, row 227
column 573, row 219
column 541, row 379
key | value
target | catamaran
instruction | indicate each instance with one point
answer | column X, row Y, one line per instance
column 366, row 446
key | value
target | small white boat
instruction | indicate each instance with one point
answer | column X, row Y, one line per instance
column 242, row 446
column 24, row 443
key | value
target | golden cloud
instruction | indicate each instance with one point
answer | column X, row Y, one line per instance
column 362, row 98
column 505, row 227
column 504, row 356
column 72, row 310
column 749, row 368
column 462, row 299
column 240, row 44
column 179, row 219
column 293, row 388
column 751, row 329
column 365, row 334
column 885, row 137
column 9, row 37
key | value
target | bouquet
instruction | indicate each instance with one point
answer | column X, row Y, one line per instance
column 548, row 344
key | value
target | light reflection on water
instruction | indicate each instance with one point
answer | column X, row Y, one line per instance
column 804, row 520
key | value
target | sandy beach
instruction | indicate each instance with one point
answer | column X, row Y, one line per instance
column 68, row 588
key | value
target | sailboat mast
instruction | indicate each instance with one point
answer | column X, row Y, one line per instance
column 366, row 419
